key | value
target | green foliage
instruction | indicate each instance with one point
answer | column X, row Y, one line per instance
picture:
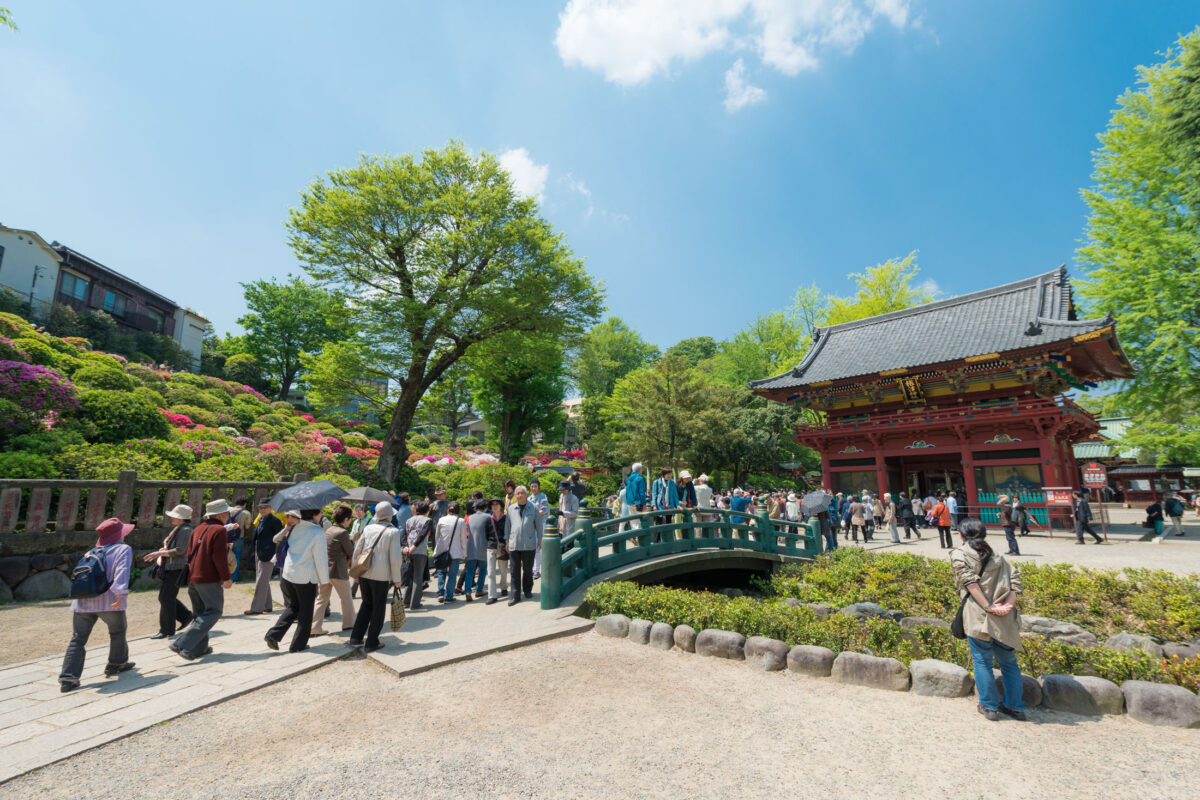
column 234, row 468
column 694, row 350
column 1142, row 239
column 244, row 368
column 146, row 375
column 341, row 479
column 105, row 462
column 409, row 480
column 518, row 386
column 38, row 351
column 105, row 416
column 418, row 441
column 448, row 400
column 609, row 351
column 93, row 376
column 180, row 394
column 292, row 459
column 882, row 288
column 460, row 484
column 601, row 485
column 26, row 465
column 6, row 19
column 456, row 258
column 45, row 443
column 771, row 344
column 200, row 416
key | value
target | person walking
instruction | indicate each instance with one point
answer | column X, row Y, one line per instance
column 266, row 527
column 385, row 569
column 792, row 507
column 665, row 498
column 989, row 586
column 417, row 531
column 360, row 521
column 1021, row 515
column 858, row 519
column 940, row 513
column 523, row 527
column 449, row 550
column 687, row 490
column 908, row 518
column 481, row 538
column 1174, row 509
column 635, row 491
column 172, row 564
column 208, row 578
column 1083, row 518
column 239, row 516
column 889, row 517
column 539, row 499
column 568, row 510
column 108, row 607
column 918, row 507
column 305, row 570
column 1005, row 508
column 339, row 548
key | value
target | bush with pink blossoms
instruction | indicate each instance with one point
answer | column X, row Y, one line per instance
column 269, row 446
column 335, row 445
column 182, row 421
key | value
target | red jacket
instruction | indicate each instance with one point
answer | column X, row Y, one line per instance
column 208, row 559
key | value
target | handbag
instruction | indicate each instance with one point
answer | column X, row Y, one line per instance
column 398, row 612
column 361, row 562
column 956, row 626
column 155, row 572
column 442, row 560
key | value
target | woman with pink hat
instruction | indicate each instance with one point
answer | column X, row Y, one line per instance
column 108, row 607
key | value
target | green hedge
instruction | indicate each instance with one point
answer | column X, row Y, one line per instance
column 105, row 416
column 840, row 632
column 1105, row 602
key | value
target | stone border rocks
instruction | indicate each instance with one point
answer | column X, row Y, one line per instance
column 766, row 654
column 872, row 671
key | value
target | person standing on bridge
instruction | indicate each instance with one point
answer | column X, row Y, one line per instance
column 523, row 525
column 539, row 499
column 687, row 490
column 666, row 498
column 635, row 491
column 704, row 494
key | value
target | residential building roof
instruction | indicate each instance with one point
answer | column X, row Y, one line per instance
column 36, row 238
column 1027, row 313
column 67, row 251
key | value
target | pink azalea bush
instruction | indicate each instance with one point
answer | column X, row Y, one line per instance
column 269, row 446
column 178, row 420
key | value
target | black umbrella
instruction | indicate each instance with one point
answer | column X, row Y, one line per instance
column 306, row 496
column 814, row 503
column 365, row 494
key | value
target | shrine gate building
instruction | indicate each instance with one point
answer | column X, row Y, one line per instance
column 964, row 394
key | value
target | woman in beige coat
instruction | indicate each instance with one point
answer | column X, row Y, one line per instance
column 990, row 586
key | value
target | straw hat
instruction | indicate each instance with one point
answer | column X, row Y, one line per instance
column 216, row 507
column 181, row 511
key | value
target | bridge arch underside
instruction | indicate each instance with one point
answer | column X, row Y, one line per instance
column 672, row 568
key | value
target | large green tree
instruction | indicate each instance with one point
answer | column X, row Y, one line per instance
column 284, row 320
column 658, row 411
column 518, row 383
column 443, row 254
column 771, row 344
column 1142, row 241
column 882, row 288
column 607, row 353
column 448, row 401
column 694, row 350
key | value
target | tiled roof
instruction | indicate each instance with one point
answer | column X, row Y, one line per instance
column 1015, row 316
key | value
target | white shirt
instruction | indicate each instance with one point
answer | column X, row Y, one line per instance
column 452, row 536
column 703, row 495
column 307, row 556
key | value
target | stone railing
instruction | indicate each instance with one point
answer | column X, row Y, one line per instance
column 38, row 516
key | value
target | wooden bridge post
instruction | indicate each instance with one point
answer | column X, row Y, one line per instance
column 551, row 588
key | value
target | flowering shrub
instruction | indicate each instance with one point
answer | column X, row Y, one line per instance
column 38, row 393
column 335, row 446
column 293, row 458
column 78, row 342
column 307, row 417
column 234, row 468
column 177, row 460
column 245, row 441
column 546, row 459
column 270, row 446
column 94, row 376
column 208, row 449
column 198, row 415
column 105, row 462
column 12, row 325
column 116, row 416
column 378, row 445
column 26, row 465
column 10, row 351
column 178, row 420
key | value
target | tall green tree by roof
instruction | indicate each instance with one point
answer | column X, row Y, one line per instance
column 286, row 319
column 443, row 254
column 659, row 410
column 607, row 353
column 771, row 344
column 1142, row 240
column 882, row 288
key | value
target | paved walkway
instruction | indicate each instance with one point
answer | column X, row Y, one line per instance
column 39, row 725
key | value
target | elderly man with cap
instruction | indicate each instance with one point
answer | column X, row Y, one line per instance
column 108, row 607
column 304, row 569
column 172, row 560
column 635, row 491
column 385, row 543
column 266, row 525
column 208, row 578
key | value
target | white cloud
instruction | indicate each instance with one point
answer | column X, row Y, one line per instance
column 632, row 41
column 738, row 93
column 931, row 286
column 528, row 178
column 583, row 191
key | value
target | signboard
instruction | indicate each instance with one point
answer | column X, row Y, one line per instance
column 1095, row 476
column 1058, row 496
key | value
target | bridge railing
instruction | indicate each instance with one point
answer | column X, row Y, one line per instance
column 571, row 557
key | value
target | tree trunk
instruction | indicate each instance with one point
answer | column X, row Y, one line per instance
column 285, row 386
column 394, row 453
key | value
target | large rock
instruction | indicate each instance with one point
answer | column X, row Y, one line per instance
column 1161, row 704
column 935, row 678
column 863, row 670
column 639, row 630
column 6, row 595
column 733, row 593
column 662, row 636
column 49, row 585
column 908, row 623
column 1180, row 650
column 766, row 654
column 1082, row 694
column 1031, row 690
column 44, row 561
column 721, row 644
column 870, row 610
column 811, row 660
column 685, row 638
column 14, row 569
column 791, row 601
column 1134, row 641
column 1057, row 630
column 614, row 625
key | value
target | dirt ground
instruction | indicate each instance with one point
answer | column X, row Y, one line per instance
column 588, row 717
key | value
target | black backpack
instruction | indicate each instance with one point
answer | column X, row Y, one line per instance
column 1174, row 507
column 90, row 576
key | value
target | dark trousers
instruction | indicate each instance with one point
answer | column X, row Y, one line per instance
column 416, row 578
column 298, row 601
column 1010, row 533
column 81, row 628
column 945, row 538
column 170, row 609
column 208, row 601
column 521, row 563
column 854, row 529
column 1085, row 526
column 910, row 527
column 369, row 621
column 1023, row 520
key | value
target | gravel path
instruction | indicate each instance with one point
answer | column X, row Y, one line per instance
column 590, row 717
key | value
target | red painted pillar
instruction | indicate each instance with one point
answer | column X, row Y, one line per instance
column 972, row 498
column 880, row 473
column 826, row 477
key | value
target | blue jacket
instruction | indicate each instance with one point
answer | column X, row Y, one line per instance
column 666, row 493
column 635, row 489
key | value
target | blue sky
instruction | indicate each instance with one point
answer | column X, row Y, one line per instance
column 705, row 157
